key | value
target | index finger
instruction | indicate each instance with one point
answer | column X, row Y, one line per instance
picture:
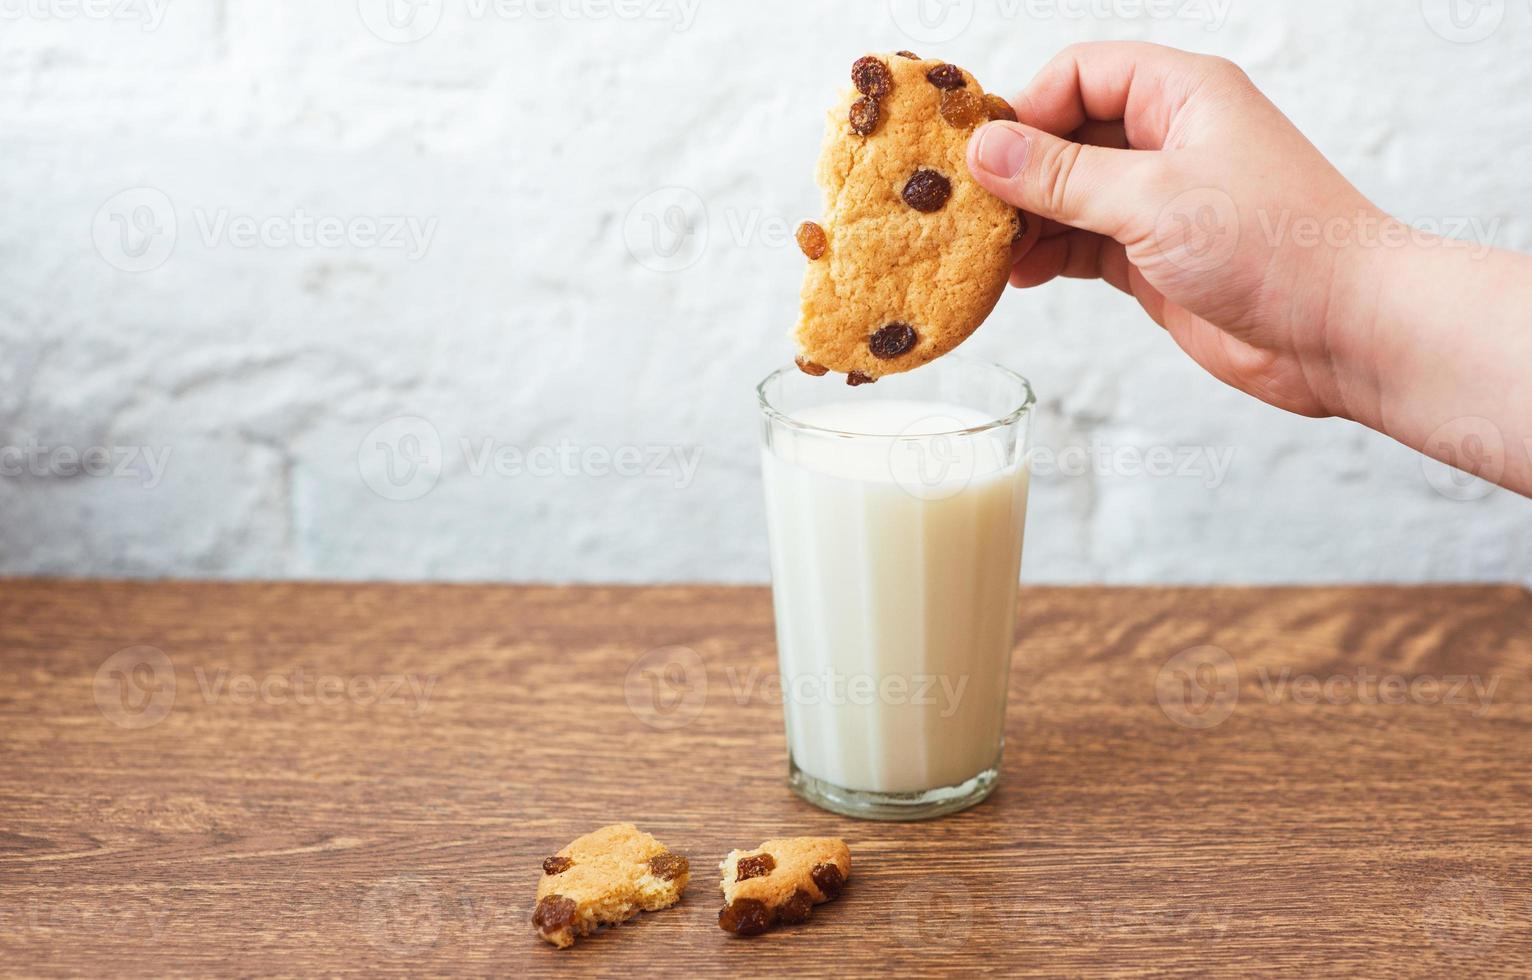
column 1143, row 85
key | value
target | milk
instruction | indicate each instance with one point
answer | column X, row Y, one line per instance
column 894, row 572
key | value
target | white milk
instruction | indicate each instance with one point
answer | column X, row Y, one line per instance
column 895, row 583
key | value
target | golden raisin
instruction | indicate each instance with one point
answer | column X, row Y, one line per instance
column 668, row 866
column 961, row 108
column 809, row 367
column 1022, row 226
column 811, row 238
column 828, row 878
column 856, row 379
column 908, row 54
column 927, row 191
column 745, row 916
column 557, row 865
column 554, row 913
column 997, row 109
column 754, row 866
column 797, row 908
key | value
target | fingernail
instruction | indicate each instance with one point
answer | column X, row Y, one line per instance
column 1003, row 151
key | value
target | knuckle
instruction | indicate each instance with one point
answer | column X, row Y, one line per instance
column 1056, row 176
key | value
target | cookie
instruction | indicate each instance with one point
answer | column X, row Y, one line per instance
column 781, row 881
column 912, row 254
column 604, row 878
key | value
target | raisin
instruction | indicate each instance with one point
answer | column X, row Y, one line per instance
column 872, row 77
column 908, row 54
column 947, row 77
column 811, row 238
column 1022, row 226
column 745, row 916
column 998, row 109
column 891, row 341
column 557, row 865
column 668, row 866
column 962, row 109
column 754, row 866
column 864, row 116
column 797, row 908
column 927, row 191
column 809, row 367
column 828, row 878
column 554, row 913
column 856, row 379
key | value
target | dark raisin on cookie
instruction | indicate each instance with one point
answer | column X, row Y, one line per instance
column 668, row 866
column 962, row 109
column 745, row 917
column 864, row 116
column 927, row 191
column 557, row 865
column 892, row 340
column 947, row 77
column 828, row 878
column 856, row 379
column 809, row 367
column 797, row 908
column 908, row 54
column 872, row 77
column 555, row 912
column 1022, row 226
column 754, row 866
column 812, row 239
column 998, row 109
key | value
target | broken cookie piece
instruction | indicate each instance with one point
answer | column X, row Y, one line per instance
column 605, row 878
column 780, row 882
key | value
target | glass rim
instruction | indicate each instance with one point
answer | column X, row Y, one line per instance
column 1028, row 402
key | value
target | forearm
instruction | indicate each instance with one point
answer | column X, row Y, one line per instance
column 1434, row 343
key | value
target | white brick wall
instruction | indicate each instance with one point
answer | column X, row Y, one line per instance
column 525, row 141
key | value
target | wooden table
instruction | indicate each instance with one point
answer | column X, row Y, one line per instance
column 221, row 778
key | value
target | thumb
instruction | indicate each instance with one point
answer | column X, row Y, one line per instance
column 1091, row 187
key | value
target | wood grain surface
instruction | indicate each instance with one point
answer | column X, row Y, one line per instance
column 222, row 779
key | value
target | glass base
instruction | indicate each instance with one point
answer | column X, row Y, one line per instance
column 868, row 805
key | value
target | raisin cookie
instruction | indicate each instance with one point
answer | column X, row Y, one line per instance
column 604, row 878
column 781, row 881
column 912, row 254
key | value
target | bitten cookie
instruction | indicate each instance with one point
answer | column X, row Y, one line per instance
column 781, row 881
column 912, row 253
column 604, row 878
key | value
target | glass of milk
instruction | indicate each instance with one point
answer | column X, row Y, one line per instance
column 895, row 513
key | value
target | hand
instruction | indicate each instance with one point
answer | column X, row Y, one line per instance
column 1190, row 230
